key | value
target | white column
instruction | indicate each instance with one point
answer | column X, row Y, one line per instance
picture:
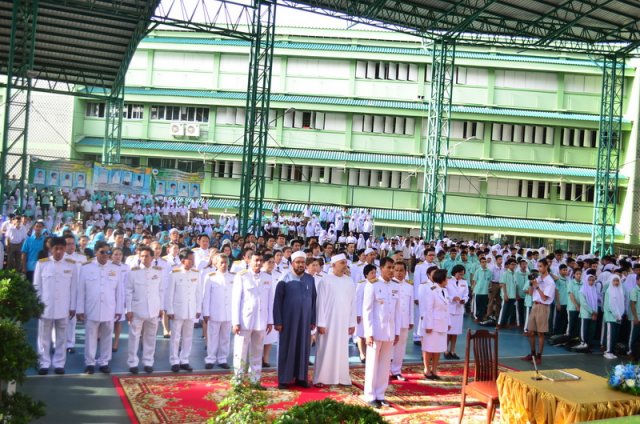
column 237, row 169
column 268, row 171
column 535, row 190
column 216, row 168
column 305, row 173
column 292, row 173
column 584, row 193
column 573, row 191
column 563, row 190
column 353, row 177
column 363, row 181
column 327, row 175
column 385, row 179
column 315, row 174
column 284, row 173
column 405, row 181
column 528, row 135
column 576, row 138
column 395, row 179
column 524, row 189
column 373, row 178
column 336, row 175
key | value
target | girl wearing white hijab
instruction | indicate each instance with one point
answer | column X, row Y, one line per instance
column 588, row 298
column 613, row 307
column 361, row 243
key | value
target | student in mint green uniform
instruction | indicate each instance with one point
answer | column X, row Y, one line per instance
column 480, row 285
column 613, row 307
column 562, row 298
column 634, row 315
column 588, row 311
column 573, row 304
column 522, row 276
column 508, row 292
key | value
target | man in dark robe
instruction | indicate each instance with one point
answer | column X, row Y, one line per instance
column 294, row 316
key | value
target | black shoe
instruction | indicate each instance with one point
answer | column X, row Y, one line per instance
column 198, row 325
column 383, row 403
column 266, row 365
column 363, row 360
column 303, row 383
column 225, row 366
column 375, row 404
column 428, row 376
column 454, row 356
column 166, row 336
column 114, row 349
column 59, row 371
column 186, row 367
column 105, row 369
column 283, row 386
column 417, row 342
column 398, row 377
column 175, row 368
column 208, row 366
column 90, row 369
column 71, row 350
column 134, row 370
column 43, row 371
column 148, row 369
column 436, row 377
column 447, row 355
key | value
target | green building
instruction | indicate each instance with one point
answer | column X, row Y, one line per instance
column 348, row 128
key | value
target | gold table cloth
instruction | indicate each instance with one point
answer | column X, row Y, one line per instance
column 524, row 400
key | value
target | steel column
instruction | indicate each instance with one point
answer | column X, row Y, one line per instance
column 252, row 183
column 609, row 142
column 438, row 124
column 18, row 95
column 113, row 128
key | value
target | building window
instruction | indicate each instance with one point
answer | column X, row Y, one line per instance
column 463, row 184
column 546, row 81
column 160, row 163
column 133, row 161
column 315, row 120
column 576, row 192
column 399, row 125
column 471, row 76
column 579, row 137
column 522, row 133
column 466, row 129
column 95, row 110
column 133, row 111
column 191, row 166
column 390, row 71
column 180, row 113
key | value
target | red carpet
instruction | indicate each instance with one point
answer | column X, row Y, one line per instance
column 191, row 398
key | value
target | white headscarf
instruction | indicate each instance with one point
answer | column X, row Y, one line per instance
column 590, row 293
column 616, row 298
column 361, row 243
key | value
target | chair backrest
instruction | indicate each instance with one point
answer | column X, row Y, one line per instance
column 485, row 355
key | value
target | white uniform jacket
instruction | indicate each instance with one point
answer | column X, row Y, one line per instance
column 434, row 312
column 145, row 291
column 184, row 295
column 381, row 310
column 406, row 303
column 100, row 291
column 459, row 288
column 218, row 289
column 56, row 285
column 252, row 300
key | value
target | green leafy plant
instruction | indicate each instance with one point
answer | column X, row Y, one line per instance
column 18, row 298
column 244, row 403
column 18, row 408
column 16, row 355
column 329, row 411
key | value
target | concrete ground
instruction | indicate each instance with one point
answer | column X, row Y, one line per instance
column 79, row 398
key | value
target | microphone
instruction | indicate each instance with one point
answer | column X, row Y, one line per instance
column 537, row 376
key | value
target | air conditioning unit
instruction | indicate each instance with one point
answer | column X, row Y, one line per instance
column 193, row 130
column 176, row 129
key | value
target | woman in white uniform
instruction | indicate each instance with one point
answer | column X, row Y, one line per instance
column 458, row 289
column 268, row 266
column 434, row 313
column 423, row 292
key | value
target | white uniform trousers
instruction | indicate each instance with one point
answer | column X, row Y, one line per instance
column 376, row 370
column 398, row 352
column 45, row 329
column 181, row 331
column 71, row 332
column 218, row 340
column 95, row 330
column 247, row 353
column 148, row 328
column 416, row 328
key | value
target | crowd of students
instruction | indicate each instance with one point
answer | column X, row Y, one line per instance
column 119, row 242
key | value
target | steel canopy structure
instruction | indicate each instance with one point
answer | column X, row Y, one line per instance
column 89, row 43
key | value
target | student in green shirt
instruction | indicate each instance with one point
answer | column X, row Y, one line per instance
column 634, row 316
column 573, row 304
column 562, row 297
column 508, row 292
column 522, row 274
column 588, row 311
column 480, row 285
column 614, row 308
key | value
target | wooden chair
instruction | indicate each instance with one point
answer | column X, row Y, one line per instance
column 485, row 357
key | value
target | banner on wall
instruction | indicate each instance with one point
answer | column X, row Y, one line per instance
column 121, row 178
column 171, row 182
column 62, row 173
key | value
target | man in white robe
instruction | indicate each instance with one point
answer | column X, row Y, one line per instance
column 336, row 321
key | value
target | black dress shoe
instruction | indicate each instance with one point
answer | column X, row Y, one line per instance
column 59, row 371
column 43, row 371
column 303, row 383
column 283, row 386
column 148, row 369
column 175, row 368
column 71, row 350
column 374, row 404
column 114, row 349
column 166, row 336
column 447, row 355
column 363, row 360
column 134, row 370
column 383, row 402
column 224, row 366
column 266, row 365
column 428, row 376
column 186, row 367
column 454, row 356
column 417, row 342
column 90, row 369
column 436, row 377
column 105, row 369
column 208, row 366
column 398, row 377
